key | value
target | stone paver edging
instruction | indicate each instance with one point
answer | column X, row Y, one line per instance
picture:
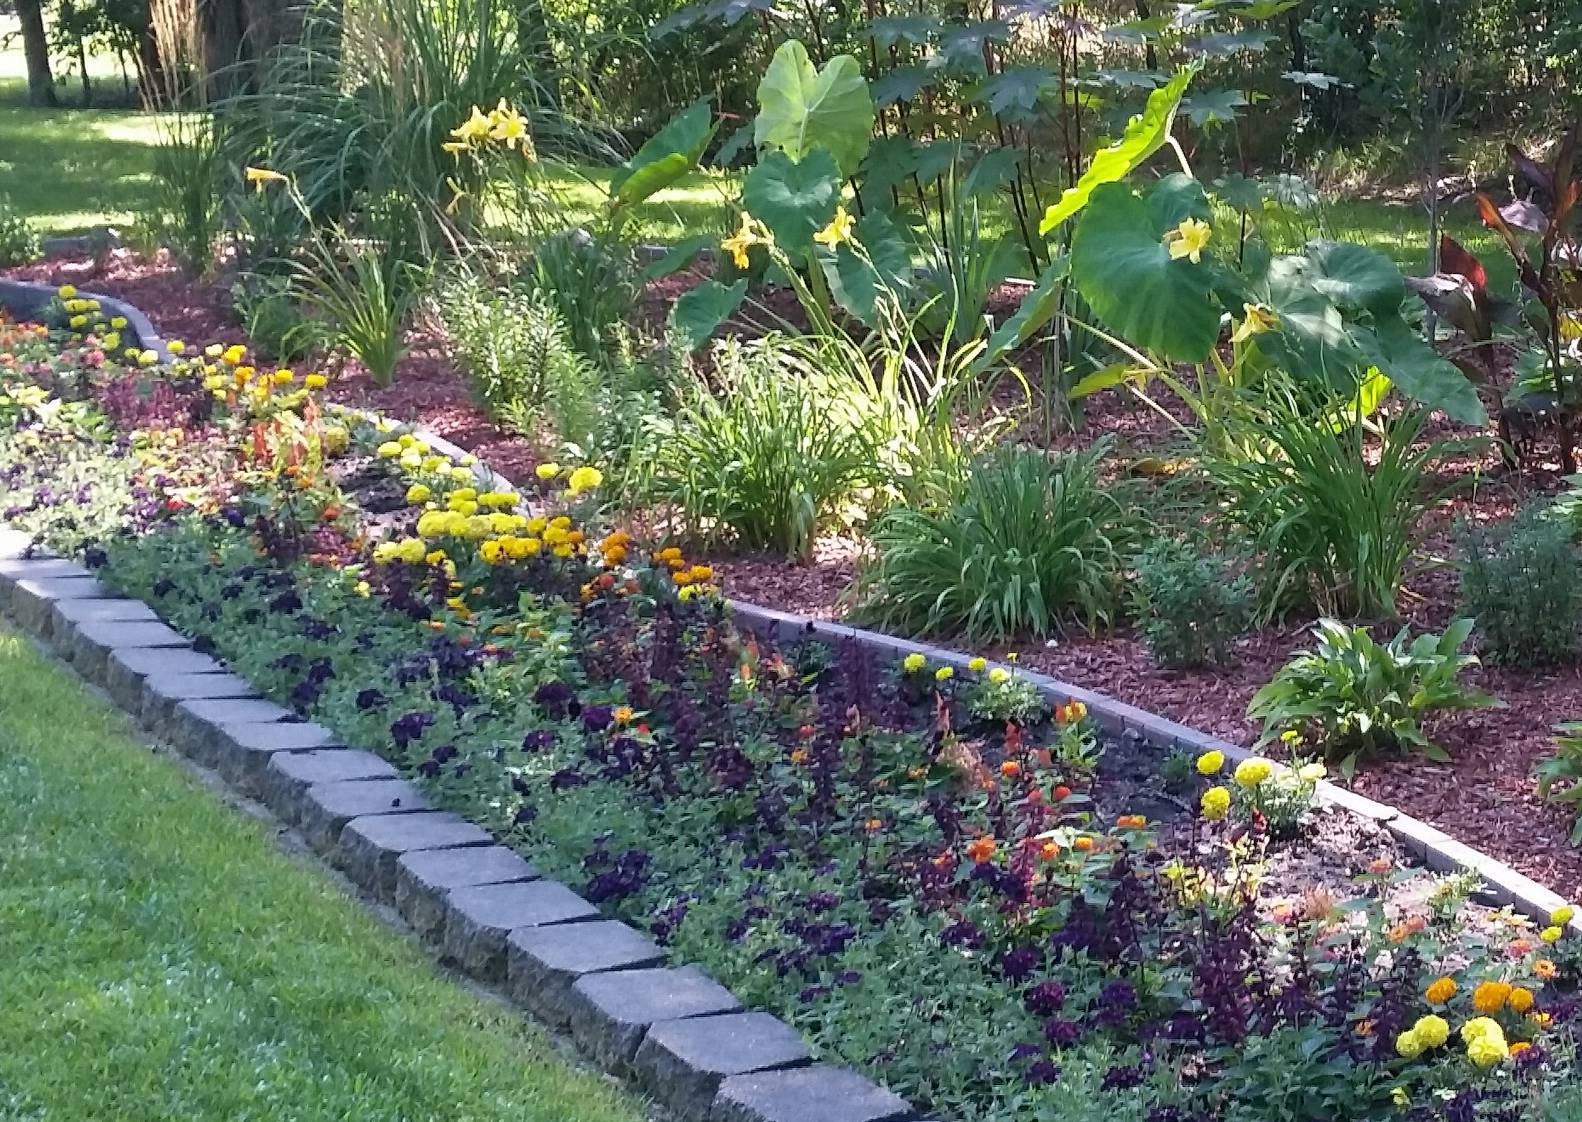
column 676, row 1033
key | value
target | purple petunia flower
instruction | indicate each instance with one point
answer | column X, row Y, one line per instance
column 1045, row 999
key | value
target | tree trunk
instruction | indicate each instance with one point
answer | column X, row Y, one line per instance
column 35, row 46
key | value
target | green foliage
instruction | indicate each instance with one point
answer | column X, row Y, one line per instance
column 794, row 199
column 668, row 155
column 702, row 308
column 802, row 109
column 19, row 243
column 1029, row 543
column 272, row 320
column 1001, row 696
column 1190, row 607
column 767, row 453
column 1560, row 776
column 185, row 211
column 1333, row 519
column 365, row 293
column 591, row 283
column 1354, row 697
column 1519, row 580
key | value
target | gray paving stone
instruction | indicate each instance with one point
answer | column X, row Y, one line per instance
column 243, row 752
column 682, row 1063
column 288, row 776
column 125, row 670
column 91, row 643
column 1419, row 837
column 13, row 569
column 30, row 600
column 327, row 807
column 370, row 846
column 113, row 609
column 806, row 1094
column 424, row 878
column 478, row 918
column 543, row 963
column 195, row 722
column 611, row 1012
column 161, row 692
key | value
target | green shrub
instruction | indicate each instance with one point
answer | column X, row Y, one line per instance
column 273, row 321
column 769, row 453
column 18, row 240
column 1333, row 519
column 184, row 213
column 1190, row 607
column 1356, row 697
column 590, row 283
column 1029, row 541
column 1519, row 579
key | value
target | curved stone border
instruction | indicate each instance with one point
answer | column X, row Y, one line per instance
column 24, row 298
column 676, row 1033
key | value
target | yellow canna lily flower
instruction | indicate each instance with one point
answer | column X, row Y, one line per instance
column 839, row 229
column 1189, row 240
column 259, row 177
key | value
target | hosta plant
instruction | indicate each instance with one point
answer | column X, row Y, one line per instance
column 1351, row 696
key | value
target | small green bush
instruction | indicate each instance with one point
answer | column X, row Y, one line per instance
column 19, row 242
column 766, row 453
column 1362, row 698
column 592, row 285
column 1030, row 541
column 1190, row 607
column 1519, row 579
column 273, row 321
column 1560, row 776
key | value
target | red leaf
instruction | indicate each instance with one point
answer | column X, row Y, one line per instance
column 1457, row 259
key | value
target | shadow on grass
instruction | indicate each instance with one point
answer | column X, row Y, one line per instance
column 69, row 170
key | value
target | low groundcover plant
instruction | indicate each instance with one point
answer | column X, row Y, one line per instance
column 916, row 865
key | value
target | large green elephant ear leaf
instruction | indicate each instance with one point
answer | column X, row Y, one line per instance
column 1123, row 268
column 1356, row 278
column 1419, row 371
column 699, row 313
column 801, row 109
column 795, row 200
column 669, row 154
column 1145, row 134
column 885, row 265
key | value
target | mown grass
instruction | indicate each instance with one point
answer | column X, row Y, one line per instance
column 163, row 959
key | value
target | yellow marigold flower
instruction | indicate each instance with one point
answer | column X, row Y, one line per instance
column 1189, row 240
column 460, row 474
column 1401, row 1097
column 702, row 573
column 563, row 551
column 1312, row 773
column 999, row 675
column 412, row 550
column 1490, row 997
column 686, row 594
column 361, row 588
column 531, row 546
column 1215, row 803
column 491, row 552
column 389, row 450
column 1551, row 935
column 283, row 377
column 175, row 346
column 560, row 522
column 914, row 662
column 315, row 381
column 1562, row 915
column 1480, row 1026
column 112, row 341
column 67, row 292
column 839, row 230
column 1209, row 763
column 546, row 472
column 622, row 714
column 1409, row 1045
column 682, row 579
column 944, row 674
column 1540, row 1020
column 1432, row 1030
column 411, row 460
column 585, row 478
column 1487, row 1050
column 1250, row 773
column 978, row 665
column 1520, row 1000
column 1440, row 992
column 435, row 557
column 417, row 494
column 537, row 526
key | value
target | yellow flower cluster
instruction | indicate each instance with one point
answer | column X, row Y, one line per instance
column 1215, row 803
column 502, row 125
column 579, row 481
column 1252, row 773
column 229, row 377
column 690, row 580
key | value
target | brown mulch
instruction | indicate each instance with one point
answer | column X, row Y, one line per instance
column 1484, row 796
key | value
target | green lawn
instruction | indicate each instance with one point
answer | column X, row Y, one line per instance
column 164, row 960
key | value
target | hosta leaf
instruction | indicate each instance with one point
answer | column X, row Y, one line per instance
column 668, row 155
column 801, row 109
column 699, row 313
column 1124, row 270
column 1145, row 134
column 795, row 200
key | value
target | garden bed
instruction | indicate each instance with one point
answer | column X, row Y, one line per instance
column 885, row 851
column 1484, row 793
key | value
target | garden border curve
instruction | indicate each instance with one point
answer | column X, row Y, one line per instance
column 682, row 1037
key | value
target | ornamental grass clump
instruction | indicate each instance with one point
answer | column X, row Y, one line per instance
column 1029, row 544
column 1519, row 579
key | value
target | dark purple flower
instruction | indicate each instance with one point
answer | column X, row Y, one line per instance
column 410, row 727
column 1018, row 964
column 1045, row 999
column 1042, row 1073
column 1062, row 1034
column 553, row 698
column 369, row 698
column 597, row 718
column 538, row 740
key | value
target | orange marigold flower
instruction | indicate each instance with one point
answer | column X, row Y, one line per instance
column 1364, row 1028
column 1490, row 997
column 1062, row 793
column 1131, row 822
column 1010, row 769
column 1520, row 1000
column 873, row 825
column 1518, row 1048
column 981, row 850
column 1440, row 991
column 1545, row 970
column 623, row 715
column 801, row 756
column 1083, row 845
column 1540, row 1020
column 1049, row 851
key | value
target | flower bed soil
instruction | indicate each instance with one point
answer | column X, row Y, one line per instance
column 1485, row 795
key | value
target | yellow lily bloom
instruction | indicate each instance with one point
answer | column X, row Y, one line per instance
column 259, row 177
column 839, row 229
column 474, row 128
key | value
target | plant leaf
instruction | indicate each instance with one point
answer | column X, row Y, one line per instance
column 1419, row 371
column 668, row 155
column 1037, row 308
column 1145, row 134
column 700, row 312
column 801, row 109
column 795, row 200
